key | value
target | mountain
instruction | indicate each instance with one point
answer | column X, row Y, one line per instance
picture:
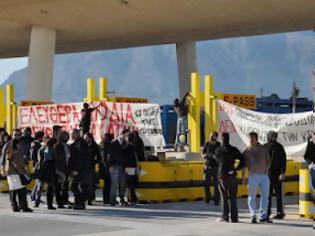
column 147, row 72
column 239, row 65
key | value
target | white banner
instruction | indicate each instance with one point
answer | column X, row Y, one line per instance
column 293, row 129
column 108, row 117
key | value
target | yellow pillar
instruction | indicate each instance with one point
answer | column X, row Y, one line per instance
column 9, row 107
column 194, row 113
column 208, row 105
column 14, row 115
column 2, row 108
column 103, row 89
column 90, row 93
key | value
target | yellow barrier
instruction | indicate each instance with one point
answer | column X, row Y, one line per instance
column 183, row 180
column 306, row 207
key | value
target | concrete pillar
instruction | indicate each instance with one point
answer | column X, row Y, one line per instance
column 41, row 63
column 186, row 64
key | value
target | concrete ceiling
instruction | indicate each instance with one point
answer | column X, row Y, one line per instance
column 87, row 25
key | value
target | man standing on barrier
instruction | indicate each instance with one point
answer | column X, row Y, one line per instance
column 258, row 161
column 226, row 155
column 211, row 168
column 278, row 159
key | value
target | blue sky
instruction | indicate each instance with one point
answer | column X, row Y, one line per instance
column 240, row 65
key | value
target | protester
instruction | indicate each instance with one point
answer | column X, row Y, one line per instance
column 25, row 143
column 16, row 134
column 258, row 162
column 35, row 146
column 85, row 121
column 104, row 166
column 4, row 138
column 14, row 169
column 57, row 129
column 277, row 171
column 79, row 168
column 65, row 185
column 46, row 172
column 226, row 155
column 138, row 144
column 95, row 158
column 117, row 169
column 62, row 154
column 211, row 168
column 131, row 169
column 181, row 108
column 309, row 157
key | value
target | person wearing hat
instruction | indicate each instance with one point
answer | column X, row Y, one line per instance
column 278, row 163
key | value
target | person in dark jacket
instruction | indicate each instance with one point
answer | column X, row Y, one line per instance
column 94, row 159
column 181, row 108
column 35, row 146
column 46, row 172
column 226, row 155
column 62, row 155
column 79, row 167
column 25, row 143
column 85, row 121
column 309, row 157
column 131, row 169
column 117, row 168
column 276, row 172
column 211, row 168
column 138, row 144
column 104, row 166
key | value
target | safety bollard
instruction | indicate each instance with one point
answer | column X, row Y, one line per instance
column 305, row 196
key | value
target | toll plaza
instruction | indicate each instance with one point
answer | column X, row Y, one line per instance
column 170, row 184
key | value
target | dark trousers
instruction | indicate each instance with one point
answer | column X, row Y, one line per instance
column 80, row 192
column 21, row 194
column 276, row 185
column 92, row 185
column 131, row 185
column 59, row 194
column 106, row 188
column 211, row 174
column 50, row 194
column 228, row 189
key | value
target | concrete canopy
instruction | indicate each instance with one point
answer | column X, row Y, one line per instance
column 83, row 25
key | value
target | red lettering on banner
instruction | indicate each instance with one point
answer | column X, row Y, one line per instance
column 24, row 117
column 122, row 112
column 129, row 115
column 40, row 115
column 68, row 111
column 32, row 113
column 227, row 126
column 61, row 114
column 45, row 109
column 76, row 118
column 53, row 114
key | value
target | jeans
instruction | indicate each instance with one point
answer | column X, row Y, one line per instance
column 181, row 129
column 37, row 192
column 131, row 183
column 21, row 194
column 118, row 183
column 261, row 181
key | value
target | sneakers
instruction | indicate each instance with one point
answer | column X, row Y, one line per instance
column 254, row 220
column 266, row 220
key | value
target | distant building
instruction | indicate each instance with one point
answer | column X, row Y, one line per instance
column 274, row 104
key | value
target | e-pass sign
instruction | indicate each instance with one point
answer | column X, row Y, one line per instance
column 242, row 100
